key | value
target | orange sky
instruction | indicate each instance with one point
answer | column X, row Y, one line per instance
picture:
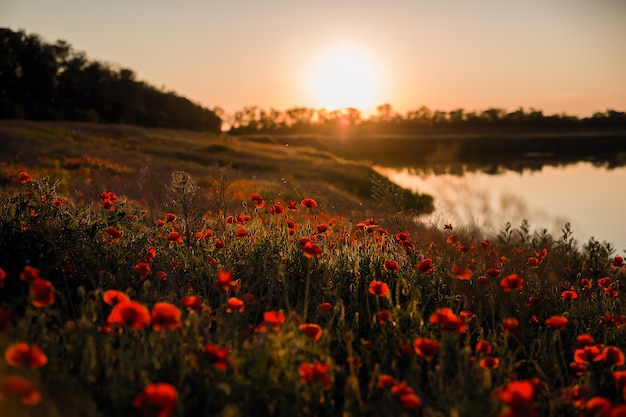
column 556, row 56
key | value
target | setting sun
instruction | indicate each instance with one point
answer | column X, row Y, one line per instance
column 343, row 78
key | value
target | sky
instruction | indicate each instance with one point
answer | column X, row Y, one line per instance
column 558, row 56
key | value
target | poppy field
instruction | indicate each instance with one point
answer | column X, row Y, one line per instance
column 285, row 308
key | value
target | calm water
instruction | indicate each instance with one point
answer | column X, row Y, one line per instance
column 592, row 199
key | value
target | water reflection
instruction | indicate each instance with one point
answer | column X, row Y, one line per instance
column 587, row 195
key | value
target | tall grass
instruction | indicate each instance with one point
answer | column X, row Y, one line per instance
column 286, row 308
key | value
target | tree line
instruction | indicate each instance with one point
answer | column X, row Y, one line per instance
column 385, row 120
column 43, row 81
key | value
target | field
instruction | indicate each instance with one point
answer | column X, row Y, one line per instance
column 163, row 273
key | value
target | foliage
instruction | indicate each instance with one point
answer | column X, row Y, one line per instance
column 293, row 309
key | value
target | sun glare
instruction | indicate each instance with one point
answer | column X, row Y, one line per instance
column 345, row 78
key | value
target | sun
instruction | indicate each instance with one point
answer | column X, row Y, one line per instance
column 345, row 77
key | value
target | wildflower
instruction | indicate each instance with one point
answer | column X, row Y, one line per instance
column 386, row 381
column 321, row 228
column 130, row 313
column 113, row 232
column 447, row 226
column 406, row 396
column 583, row 340
column 391, row 265
column 314, row 331
column 324, row 308
column 144, row 269
column 192, row 303
column 448, row 321
column 170, row 217
column 512, row 282
column 483, row 346
column 425, row 266
column 20, row 388
column 159, row 223
column 175, row 237
column 569, row 295
column 510, row 324
column 161, row 275
column 218, row 356
column 113, row 297
column 274, row 318
column 23, row 354
column 461, row 273
column 537, row 259
column 613, row 356
column 426, row 348
column 315, row 372
column 276, row 209
column 225, row 281
column 107, row 199
column 29, row 274
column 378, row 288
column 493, row 272
column 604, row 282
column 599, row 406
column 157, row 400
column 309, row 203
column 165, row 316
column 618, row 262
column 234, row 304
column 292, row 206
column 620, row 379
column 588, row 354
column 42, row 292
column 24, row 177
column 241, row 233
column 556, row 322
column 402, row 236
column 518, row 396
column 311, row 250
column 489, row 362
column 384, row 316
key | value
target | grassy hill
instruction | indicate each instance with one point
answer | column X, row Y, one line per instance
column 138, row 162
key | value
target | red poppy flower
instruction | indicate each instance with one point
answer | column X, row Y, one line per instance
column 461, row 273
column 293, row 206
column 23, row 354
column 3, row 276
column 107, row 199
column 448, row 321
column 599, row 406
column 489, row 362
column 218, row 356
column 112, row 297
column 170, row 217
column 569, row 295
column 19, row 388
column 159, row 223
column 113, row 232
column 42, row 292
column 29, row 274
column 157, row 400
column 379, row 288
column 588, row 354
column 324, row 308
column 512, row 282
column 24, row 177
column 234, row 304
column 620, row 379
column 613, row 356
column 309, row 203
column 311, row 250
column 426, row 348
column 314, row 331
column 518, row 396
column 144, row 269
column 274, row 318
column 510, row 324
column 583, row 340
column 556, row 322
column 425, row 266
column 391, row 265
column 483, row 346
column 241, row 233
column 130, row 313
column 321, row 228
column 618, row 262
column 315, row 372
column 384, row 316
column 276, row 209
column 406, row 396
column 165, row 316
column 402, row 236
column 386, row 381
column 175, row 237
column 493, row 272
column 192, row 303
column 225, row 281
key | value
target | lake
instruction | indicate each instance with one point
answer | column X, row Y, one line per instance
column 590, row 197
